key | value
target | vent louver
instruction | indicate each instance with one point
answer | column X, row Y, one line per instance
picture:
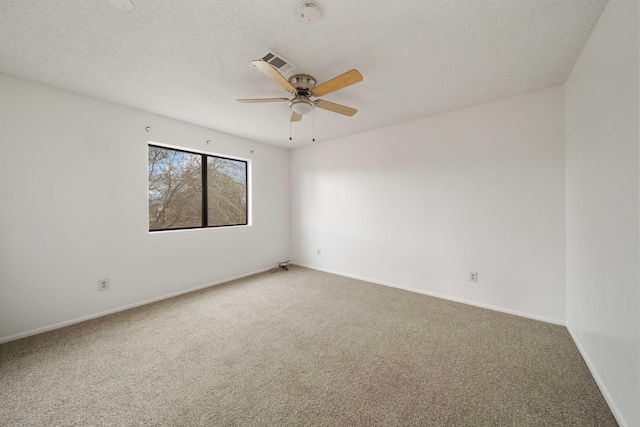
column 278, row 62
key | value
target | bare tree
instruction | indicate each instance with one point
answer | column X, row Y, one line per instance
column 175, row 189
column 176, row 193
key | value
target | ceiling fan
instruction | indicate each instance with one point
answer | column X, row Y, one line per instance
column 303, row 87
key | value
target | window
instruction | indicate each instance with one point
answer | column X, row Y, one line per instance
column 193, row 190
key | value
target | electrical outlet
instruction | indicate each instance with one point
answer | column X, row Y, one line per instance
column 103, row 284
column 318, row 252
column 473, row 276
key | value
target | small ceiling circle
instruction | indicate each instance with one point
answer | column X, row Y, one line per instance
column 309, row 11
column 122, row 4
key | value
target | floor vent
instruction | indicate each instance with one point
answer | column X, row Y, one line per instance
column 276, row 60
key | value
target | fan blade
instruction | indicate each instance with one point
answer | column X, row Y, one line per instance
column 273, row 74
column 246, row 101
column 347, row 79
column 336, row 108
column 295, row 117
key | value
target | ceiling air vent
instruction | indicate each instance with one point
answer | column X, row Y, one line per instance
column 276, row 60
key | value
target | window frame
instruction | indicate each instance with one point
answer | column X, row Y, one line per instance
column 204, row 192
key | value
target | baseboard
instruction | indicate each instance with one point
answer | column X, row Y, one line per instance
column 437, row 295
column 594, row 373
column 122, row 308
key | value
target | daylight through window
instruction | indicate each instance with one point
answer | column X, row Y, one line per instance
column 193, row 190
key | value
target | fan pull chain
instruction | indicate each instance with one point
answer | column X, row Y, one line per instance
column 289, row 130
column 313, row 127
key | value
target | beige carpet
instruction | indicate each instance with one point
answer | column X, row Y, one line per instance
column 300, row 348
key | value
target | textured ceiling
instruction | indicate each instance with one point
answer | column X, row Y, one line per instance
column 191, row 59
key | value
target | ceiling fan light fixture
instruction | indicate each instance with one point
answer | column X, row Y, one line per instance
column 302, row 105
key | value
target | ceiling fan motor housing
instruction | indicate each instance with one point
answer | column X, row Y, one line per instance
column 303, row 82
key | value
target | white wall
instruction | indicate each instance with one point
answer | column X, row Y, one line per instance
column 603, row 246
column 74, row 209
column 419, row 204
